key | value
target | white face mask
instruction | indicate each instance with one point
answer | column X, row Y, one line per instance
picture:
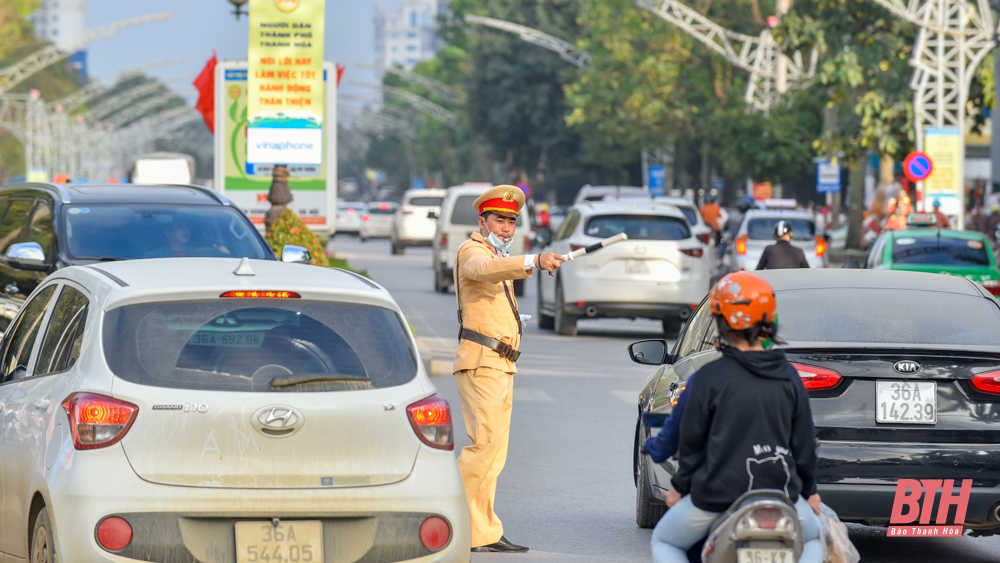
column 501, row 246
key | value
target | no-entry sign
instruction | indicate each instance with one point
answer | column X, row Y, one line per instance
column 917, row 166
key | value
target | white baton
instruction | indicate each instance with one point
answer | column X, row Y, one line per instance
column 594, row 247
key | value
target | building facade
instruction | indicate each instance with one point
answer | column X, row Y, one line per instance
column 64, row 23
column 408, row 34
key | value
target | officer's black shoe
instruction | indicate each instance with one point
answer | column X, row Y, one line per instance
column 502, row 546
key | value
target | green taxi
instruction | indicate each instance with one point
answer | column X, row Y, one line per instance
column 920, row 248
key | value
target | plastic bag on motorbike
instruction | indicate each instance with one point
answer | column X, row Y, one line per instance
column 837, row 543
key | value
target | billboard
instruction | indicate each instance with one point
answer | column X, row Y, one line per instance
column 945, row 147
column 314, row 186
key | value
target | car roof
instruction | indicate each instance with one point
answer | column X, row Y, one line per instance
column 125, row 193
column 778, row 214
column 852, row 278
column 931, row 232
column 633, row 206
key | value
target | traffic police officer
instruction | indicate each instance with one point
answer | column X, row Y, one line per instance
column 782, row 254
column 489, row 337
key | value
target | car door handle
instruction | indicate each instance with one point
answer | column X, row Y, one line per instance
column 42, row 404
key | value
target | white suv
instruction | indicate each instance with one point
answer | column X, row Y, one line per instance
column 416, row 219
column 660, row 272
column 757, row 233
column 457, row 222
column 184, row 409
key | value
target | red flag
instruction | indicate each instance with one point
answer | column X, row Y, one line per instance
column 340, row 73
column 205, row 83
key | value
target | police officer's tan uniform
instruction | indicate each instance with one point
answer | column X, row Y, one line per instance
column 485, row 373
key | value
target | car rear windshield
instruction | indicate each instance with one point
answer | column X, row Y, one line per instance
column 464, row 213
column 940, row 252
column 638, row 227
column 875, row 317
column 763, row 228
column 131, row 231
column 425, row 201
column 258, row 345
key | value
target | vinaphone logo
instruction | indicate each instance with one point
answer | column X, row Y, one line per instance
column 914, row 504
column 286, row 5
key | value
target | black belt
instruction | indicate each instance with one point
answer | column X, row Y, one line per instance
column 500, row 347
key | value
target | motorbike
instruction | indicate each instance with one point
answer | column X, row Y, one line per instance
column 762, row 526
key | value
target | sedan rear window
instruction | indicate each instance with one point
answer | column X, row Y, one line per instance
column 132, row 231
column 425, row 201
column 876, row 317
column 940, row 252
column 763, row 228
column 258, row 345
column 638, row 227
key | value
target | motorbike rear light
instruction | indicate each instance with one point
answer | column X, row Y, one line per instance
column 263, row 294
column 435, row 533
column 695, row 252
column 741, row 245
column 767, row 518
column 98, row 421
column 431, row 420
column 704, row 238
column 816, row 379
column 114, row 533
column 988, row 382
column 993, row 286
column 366, row 218
column 820, row 247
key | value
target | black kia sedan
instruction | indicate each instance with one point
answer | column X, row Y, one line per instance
column 903, row 371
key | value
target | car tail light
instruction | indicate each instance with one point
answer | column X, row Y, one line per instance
column 435, row 533
column 407, row 212
column 444, row 240
column 350, row 211
column 704, row 238
column 431, row 420
column 98, row 421
column 816, row 379
column 764, row 518
column 527, row 244
column 820, row 247
column 383, row 206
column 266, row 294
column 993, row 286
column 366, row 218
column 741, row 245
column 696, row 252
column 988, row 382
column 114, row 533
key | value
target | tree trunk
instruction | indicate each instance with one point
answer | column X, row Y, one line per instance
column 857, row 205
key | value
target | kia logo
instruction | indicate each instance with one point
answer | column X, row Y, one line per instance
column 277, row 420
column 906, row 366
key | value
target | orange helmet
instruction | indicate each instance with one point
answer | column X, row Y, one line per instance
column 743, row 300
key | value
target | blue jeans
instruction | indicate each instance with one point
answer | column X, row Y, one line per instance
column 684, row 524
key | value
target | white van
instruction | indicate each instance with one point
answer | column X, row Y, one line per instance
column 457, row 222
column 163, row 168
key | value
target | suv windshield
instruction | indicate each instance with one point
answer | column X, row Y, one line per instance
column 638, row 227
column 133, row 231
column 940, row 252
column 763, row 228
column 258, row 345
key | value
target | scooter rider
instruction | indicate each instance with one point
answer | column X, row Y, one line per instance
column 746, row 425
column 782, row 254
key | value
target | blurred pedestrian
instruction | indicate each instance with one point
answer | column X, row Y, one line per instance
column 711, row 213
column 943, row 222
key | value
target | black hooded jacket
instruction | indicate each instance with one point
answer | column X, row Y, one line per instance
column 747, row 426
column 781, row 255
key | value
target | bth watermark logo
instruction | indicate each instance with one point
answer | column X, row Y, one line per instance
column 915, row 501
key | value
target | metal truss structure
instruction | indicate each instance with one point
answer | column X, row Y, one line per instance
column 758, row 55
column 566, row 50
column 438, row 88
column 76, row 100
column 423, row 105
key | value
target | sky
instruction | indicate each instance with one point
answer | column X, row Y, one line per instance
column 200, row 26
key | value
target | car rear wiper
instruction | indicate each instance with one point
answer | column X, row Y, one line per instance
column 279, row 382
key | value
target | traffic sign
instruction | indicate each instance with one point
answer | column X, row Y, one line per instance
column 917, row 166
column 656, row 179
column 827, row 177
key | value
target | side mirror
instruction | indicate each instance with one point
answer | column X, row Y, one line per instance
column 432, row 214
column 852, row 264
column 293, row 254
column 650, row 352
column 27, row 256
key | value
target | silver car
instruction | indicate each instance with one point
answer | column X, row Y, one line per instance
column 757, row 233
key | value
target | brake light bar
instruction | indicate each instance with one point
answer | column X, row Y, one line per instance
column 741, row 245
column 988, row 382
column 98, row 421
column 262, row 294
column 816, row 378
column 431, row 421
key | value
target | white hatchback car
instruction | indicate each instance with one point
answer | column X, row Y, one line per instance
column 661, row 271
column 203, row 409
column 377, row 220
column 416, row 219
column 349, row 217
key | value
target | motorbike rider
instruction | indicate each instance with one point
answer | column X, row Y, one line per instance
column 782, row 254
column 746, row 425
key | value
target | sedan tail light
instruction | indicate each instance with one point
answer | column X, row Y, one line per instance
column 992, row 286
column 816, row 379
column 431, row 420
column 741, row 245
column 695, row 252
column 704, row 238
column 820, row 247
column 988, row 382
column 98, row 421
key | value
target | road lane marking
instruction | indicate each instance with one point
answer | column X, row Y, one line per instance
column 529, row 395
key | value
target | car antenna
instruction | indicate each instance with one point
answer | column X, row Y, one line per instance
column 244, row 268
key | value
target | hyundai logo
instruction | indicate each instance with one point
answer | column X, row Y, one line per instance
column 906, row 366
column 277, row 420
